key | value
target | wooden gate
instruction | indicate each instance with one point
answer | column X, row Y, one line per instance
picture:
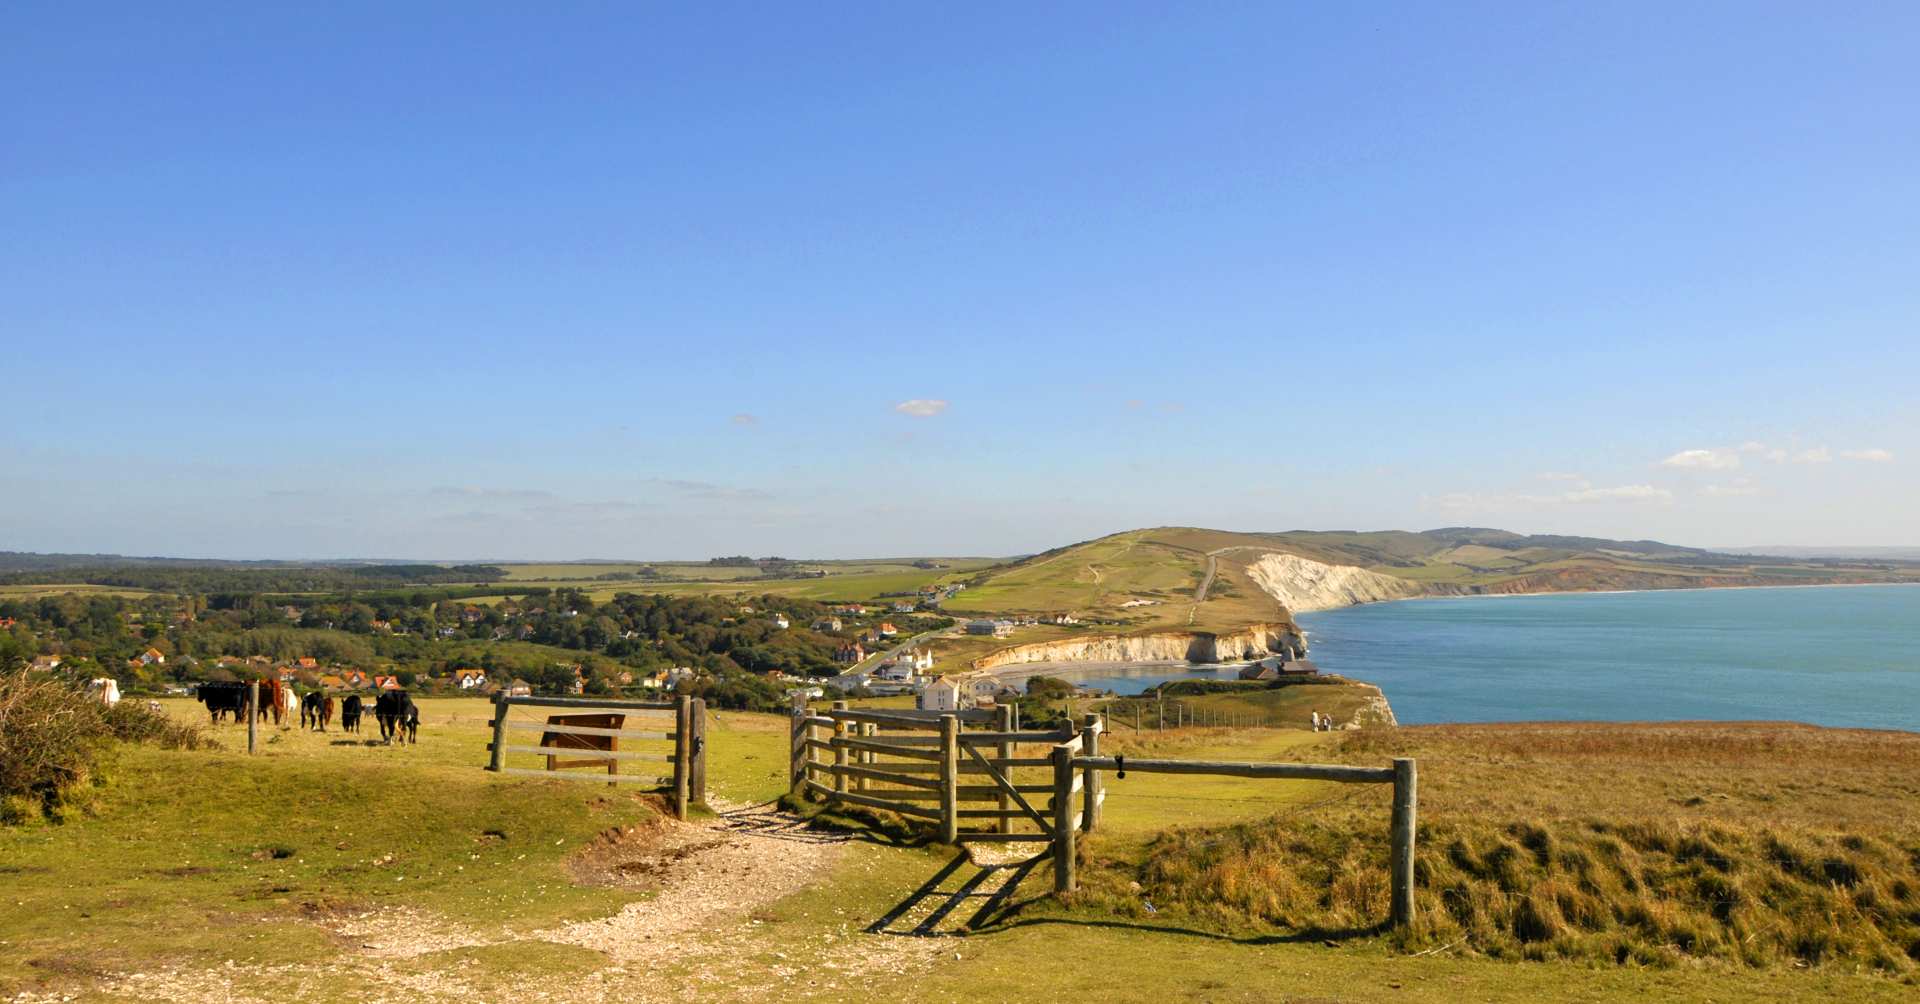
column 900, row 760
column 973, row 783
column 589, row 733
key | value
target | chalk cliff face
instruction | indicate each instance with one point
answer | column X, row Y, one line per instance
column 1254, row 642
column 1301, row 584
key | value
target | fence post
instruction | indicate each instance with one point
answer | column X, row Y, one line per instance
column 499, row 732
column 682, row 743
column 1404, row 796
column 798, row 734
column 253, row 712
column 839, row 752
column 949, row 779
column 866, row 758
column 698, row 779
column 1090, row 789
column 1007, row 724
column 1063, row 863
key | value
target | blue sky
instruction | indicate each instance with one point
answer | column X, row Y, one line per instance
column 619, row 280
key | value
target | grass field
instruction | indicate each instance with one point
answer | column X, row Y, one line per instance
column 222, row 877
column 84, row 589
column 851, row 582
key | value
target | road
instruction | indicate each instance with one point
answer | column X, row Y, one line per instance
column 865, row 667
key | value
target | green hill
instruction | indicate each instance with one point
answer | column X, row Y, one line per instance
column 1152, row 579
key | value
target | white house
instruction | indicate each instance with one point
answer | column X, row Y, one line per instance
column 780, row 622
column 998, row 629
column 943, row 694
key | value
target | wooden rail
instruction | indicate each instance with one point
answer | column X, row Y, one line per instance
column 1403, row 775
column 598, row 746
column 845, row 756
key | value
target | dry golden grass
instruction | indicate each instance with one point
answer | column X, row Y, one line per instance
column 1752, row 844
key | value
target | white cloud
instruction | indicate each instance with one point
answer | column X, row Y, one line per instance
column 1703, row 460
column 921, row 407
column 1465, row 502
column 1871, row 455
column 745, row 419
column 1622, row 493
column 1564, row 476
column 1817, row 455
column 1736, row 488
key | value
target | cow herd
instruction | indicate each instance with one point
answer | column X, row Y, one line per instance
column 394, row 711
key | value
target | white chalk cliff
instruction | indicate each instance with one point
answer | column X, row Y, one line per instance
column 1253, row 642
column 1301, row 584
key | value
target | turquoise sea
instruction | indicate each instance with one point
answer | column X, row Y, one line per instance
column 1842, row 656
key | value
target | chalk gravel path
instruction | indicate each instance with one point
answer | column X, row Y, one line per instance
column 693, row 939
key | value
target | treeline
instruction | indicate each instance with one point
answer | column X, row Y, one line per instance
column 538, row 637
column 218, row 578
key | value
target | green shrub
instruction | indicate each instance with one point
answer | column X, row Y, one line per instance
column 54, row 739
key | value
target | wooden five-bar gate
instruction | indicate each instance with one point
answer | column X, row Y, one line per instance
column 958, row 761
column 586, row 732
column 966, row 771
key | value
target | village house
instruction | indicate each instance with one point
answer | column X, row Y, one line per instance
column 851, row 609
column 386, row 682
column 779, row 622
column 290, row 613
column 355, row 678
column 7, row 622
column 520, row 688
column 943, row 694
column 147, row 658
column 331, row 682
column 1274, row 669
column 1061, row 619
column 307, row 662
column 827, row 624
column 887, row 630
column 998, row 629
column 468, row 678
column 850, row 653
column 903, row 606
column 46, row 663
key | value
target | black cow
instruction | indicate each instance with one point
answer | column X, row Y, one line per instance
column 397, row 715
column 310, row 709
column 350, row 713
column 223, row 699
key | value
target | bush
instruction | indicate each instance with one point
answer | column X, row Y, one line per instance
column 53, row 739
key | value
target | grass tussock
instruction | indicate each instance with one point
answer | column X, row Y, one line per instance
column 55, row 743
column 1754, row 846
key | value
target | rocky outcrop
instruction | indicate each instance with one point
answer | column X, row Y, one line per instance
column 1375, row 712
column 1302, row 584
column 1254, row 642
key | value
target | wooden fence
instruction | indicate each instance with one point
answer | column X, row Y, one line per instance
column 845, row 755
column 965, row 771
column 663, row 732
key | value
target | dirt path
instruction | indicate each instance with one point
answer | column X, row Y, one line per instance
column 707, row 881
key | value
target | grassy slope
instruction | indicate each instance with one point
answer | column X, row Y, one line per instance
column 180, row 865
column 1164, row 564
column 1770, row 845
column 123, row 890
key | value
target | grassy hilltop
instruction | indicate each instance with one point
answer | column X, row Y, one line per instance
column 1166, row 565
column 1679, row 862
